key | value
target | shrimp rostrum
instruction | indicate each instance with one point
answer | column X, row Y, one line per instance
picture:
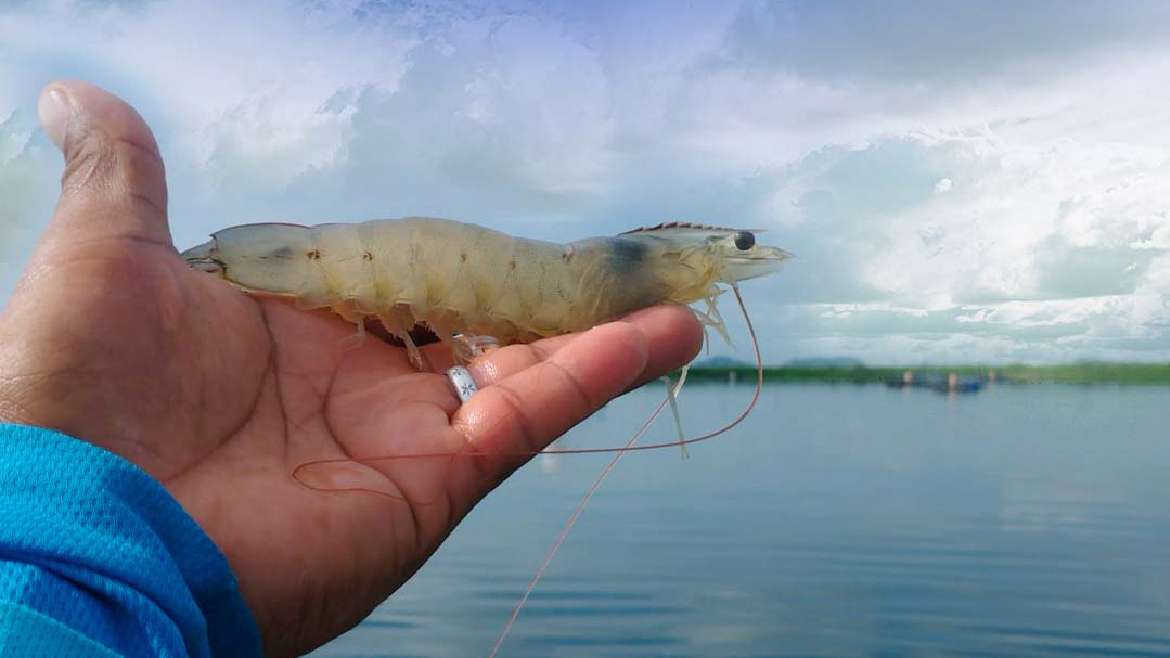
column 475, row 287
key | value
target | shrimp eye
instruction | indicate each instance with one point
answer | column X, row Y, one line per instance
column 744, row 240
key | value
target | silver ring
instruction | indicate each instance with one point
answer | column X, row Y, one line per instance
column 462, row 382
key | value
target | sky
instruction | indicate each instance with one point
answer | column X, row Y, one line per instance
column 958, row 181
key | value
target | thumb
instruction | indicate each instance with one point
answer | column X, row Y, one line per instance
column 114, row 185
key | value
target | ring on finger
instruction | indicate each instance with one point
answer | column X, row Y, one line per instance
column 462, row 382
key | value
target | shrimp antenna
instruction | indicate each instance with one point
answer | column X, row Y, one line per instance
column 572, row 521
column 702, row 437
column 618, row 454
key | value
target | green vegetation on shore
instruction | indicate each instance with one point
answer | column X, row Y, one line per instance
column 1073, row 373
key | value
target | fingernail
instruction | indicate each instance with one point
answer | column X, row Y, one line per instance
column 56, row 110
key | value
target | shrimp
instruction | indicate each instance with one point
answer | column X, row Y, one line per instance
column 475, row 287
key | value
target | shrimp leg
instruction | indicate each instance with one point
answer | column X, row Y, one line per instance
column 348, row 314
column 417, row 358
column 712, row 318
column 356, row 339
column 672, row 392
column 466, row 348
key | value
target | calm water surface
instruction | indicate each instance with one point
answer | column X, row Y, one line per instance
column 837, row 521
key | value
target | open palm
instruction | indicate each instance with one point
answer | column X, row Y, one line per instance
column 110, row 337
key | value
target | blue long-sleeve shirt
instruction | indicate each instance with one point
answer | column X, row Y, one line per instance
column 97, row 559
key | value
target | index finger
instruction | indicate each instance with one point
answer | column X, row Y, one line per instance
column 508, row 421
column 672, row 334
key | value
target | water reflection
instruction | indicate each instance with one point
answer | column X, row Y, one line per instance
column 838, row 521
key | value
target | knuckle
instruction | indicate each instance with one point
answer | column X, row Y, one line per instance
column 99, row 163
column 528, row 434
column 572, row 386
column 140, row 174
column 90, row 159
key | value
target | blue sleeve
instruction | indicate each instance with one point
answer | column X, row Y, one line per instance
column 97, row 559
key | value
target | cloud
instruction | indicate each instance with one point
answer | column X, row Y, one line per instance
column 25, row 164
column 973, row 181
column 948, row 44
column 1040, row 251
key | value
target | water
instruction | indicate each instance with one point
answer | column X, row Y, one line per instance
column 838, row 521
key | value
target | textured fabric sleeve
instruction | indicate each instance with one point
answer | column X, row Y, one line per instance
column 97, row 559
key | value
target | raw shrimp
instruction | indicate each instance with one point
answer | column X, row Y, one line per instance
column 473, row 286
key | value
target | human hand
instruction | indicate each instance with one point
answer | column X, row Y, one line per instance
column 111, row 338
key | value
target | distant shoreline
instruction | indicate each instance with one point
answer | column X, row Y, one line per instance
column 1143, row 374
